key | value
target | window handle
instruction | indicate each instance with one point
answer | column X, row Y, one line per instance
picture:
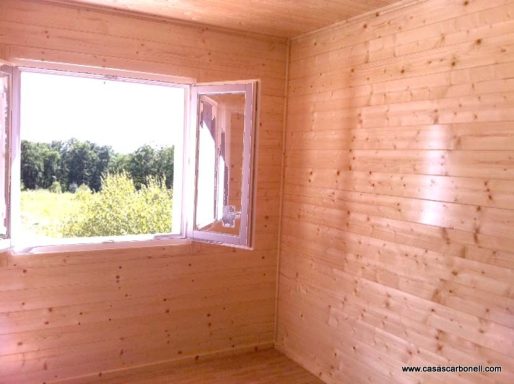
column 229, row 216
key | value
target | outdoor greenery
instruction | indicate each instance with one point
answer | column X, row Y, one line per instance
column 81, row 189
column 74, row 163
column 43, row 212
column 120, row 209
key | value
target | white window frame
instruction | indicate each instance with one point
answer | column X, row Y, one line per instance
column 249, row 88
column 12, row 121
column 186, row 172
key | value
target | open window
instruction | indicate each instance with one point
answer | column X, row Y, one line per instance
column 5, row 81
column 224, row 137
column 7, row 96
column 208, row 197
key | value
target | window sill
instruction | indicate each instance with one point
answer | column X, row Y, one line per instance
column 100, row 244
column 5, row 245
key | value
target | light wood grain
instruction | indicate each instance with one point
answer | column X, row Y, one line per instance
column 279, row 18
column 257, row 367
column 81, row 313
column 396, row 243
column 396, row 239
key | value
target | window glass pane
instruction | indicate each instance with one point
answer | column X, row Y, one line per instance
column 98, row 157
column 4, row 121
column 220, row 163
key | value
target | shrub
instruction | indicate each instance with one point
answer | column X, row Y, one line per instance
column 72, row 187
column 55, row 187
column 119, row 209
column 83, row 190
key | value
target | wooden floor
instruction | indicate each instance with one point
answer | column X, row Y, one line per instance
column 263, row 367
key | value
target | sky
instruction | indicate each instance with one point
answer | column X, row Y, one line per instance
column 123, row 115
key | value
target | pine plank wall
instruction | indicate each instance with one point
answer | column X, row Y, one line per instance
column 397, row 244
column 66, row 315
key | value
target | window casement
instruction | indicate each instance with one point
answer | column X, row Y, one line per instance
column 215, row 167
column 223, row 141
column 9, row 153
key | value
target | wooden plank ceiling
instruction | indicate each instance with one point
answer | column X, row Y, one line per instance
column 283, row 18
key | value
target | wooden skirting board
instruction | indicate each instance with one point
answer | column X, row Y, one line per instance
column 146, row 371
column 267, row 366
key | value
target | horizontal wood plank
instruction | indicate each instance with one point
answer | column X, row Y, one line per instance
column 67, row 314
column 396, row 237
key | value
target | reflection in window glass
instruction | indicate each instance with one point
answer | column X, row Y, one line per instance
column 207, row 160
column 220, row 162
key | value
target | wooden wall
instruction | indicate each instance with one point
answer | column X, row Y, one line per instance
column 64, row 315
column 397, row 243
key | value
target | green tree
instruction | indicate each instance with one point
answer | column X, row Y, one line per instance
column 119, row 163
column 84, row 162
column 165, row 165
column 32, row 165
column 142, row 165
column 73, row 163
column 100, row 165
column 51, row 166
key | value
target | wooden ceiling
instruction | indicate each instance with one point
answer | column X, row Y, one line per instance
column 284, row 18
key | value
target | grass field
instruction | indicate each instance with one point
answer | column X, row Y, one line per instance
column 44, row 212
column 118, row 209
